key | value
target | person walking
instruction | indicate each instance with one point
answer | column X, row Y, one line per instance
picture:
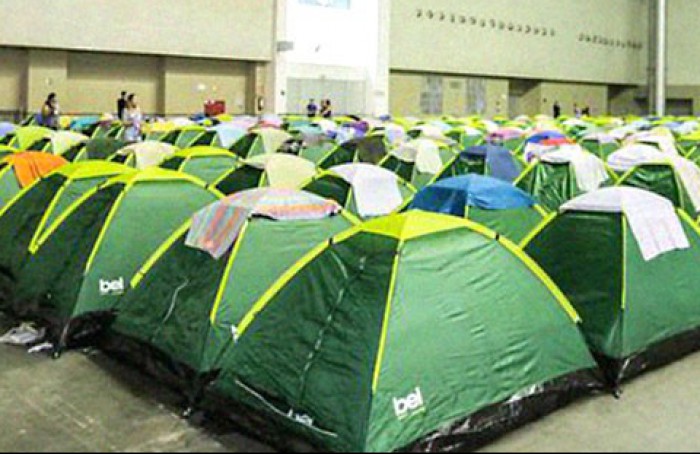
column 132, row 120
column 121, row 105
column 50, row 112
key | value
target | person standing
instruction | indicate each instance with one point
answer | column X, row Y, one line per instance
column 312, row 108
column 327, row 109
column 587, row 111
column 132, row 119
column 577, row 111
column 557, row 110
column 121, row 105
column 50, row 112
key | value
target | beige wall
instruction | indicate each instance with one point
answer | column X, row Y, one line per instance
column 684, row 43
column 443, row 46
column 90, row 82
column 47, row 72
column 190, row 82
column 497, row 98
column 406, row 90
column 96, row 80
column 593, row 96
column 624, row 101
column 229, row 29
column 404, row 94
column 12, row 67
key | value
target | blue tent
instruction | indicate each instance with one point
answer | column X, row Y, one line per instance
column 454, row 195
column 493, row 203
column 500, row 162
column 545, row 135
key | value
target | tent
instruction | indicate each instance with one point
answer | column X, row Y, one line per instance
column 35, row 208
column 664, row 141
column 206, row 163
column 600, row 144
column 261, row 141
column 19, row 170
column 221, row 136
column 673, row 177
column 80, row 265
column 59, row 142
column 184, row 137
column 420, row 161
column 6, row 128
column 371, row 150
column 627, row 157
column 143, row 155
column 627, row 261
column 364, row 190
column 466, row 137
column 512, row 138
column 100, row 149
column 211, row 291
column 24, row 137
column 493, row 203
column 690, row 146
column 281, row 171
column 417, row 332
column 559, row 176
column 6, row 151
column 488, row 160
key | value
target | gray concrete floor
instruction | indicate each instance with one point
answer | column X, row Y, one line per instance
column 87, row 402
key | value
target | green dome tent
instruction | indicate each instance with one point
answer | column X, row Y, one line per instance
column 19, row 170
column 143, row 155
column 23, row 138
column 364, row 190
column 80, row 266
column 101, row 149
column 559, row 176
column 673, row 177
column 186, row 301
column 420, row 161
column 370, row 150
column 467, row 137
column 415, row 331
column 184, row 137
column 487, row 160
column 493, row 203
column 207, row 163
column 261, row 141
column 59, row 142
column 35, row 209
column 279, row 170
column 639, row 305
column 600, row 144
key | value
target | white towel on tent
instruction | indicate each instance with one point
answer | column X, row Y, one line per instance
column 424, row 153
column 628, row 157
column 689, row 174
column 652, row 218
column 590, row 170
column 376, row 190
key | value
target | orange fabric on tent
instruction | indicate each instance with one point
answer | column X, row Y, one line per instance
column 31, row 166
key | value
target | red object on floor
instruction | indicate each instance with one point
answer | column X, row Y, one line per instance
column 214, row 108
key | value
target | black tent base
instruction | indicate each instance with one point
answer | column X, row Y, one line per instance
column 177, row 376
column 467, row 435
column 619, row 371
